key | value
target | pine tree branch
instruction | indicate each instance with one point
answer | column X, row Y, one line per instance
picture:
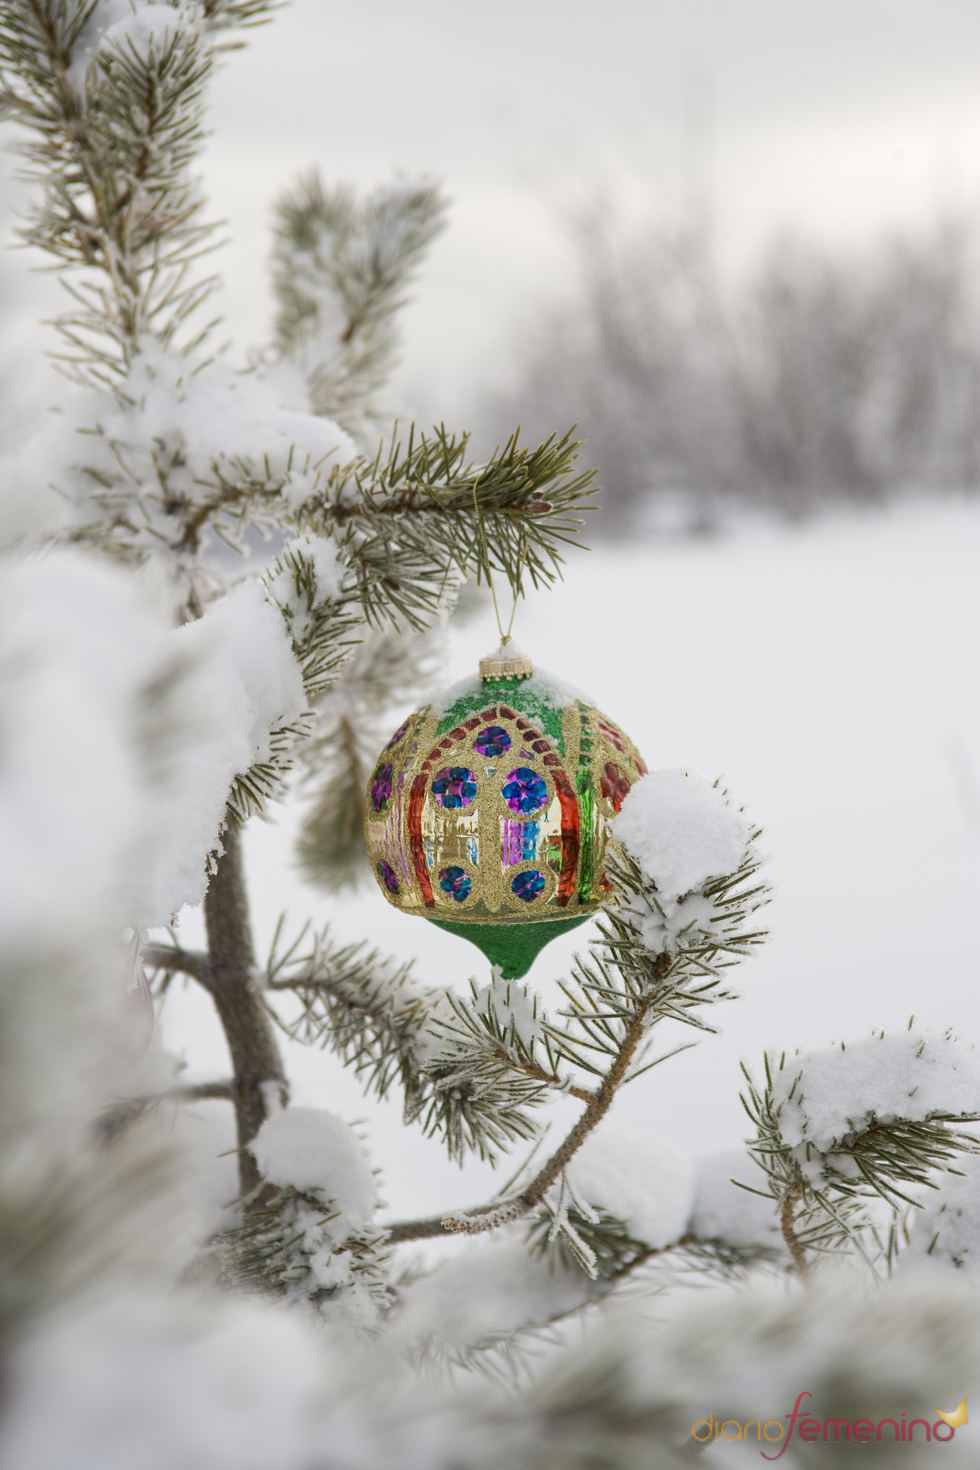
column 122, row 1114
column 419, row 516
column 173, row 960
column 111, row 152
column 787, row 1217
column 541, row 1074
column 255, row 1058
column 368, row 1008
column 340, row 269
column 498, row 1212
column 823, row 1194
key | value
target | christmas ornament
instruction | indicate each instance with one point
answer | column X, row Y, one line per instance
column 488, row 810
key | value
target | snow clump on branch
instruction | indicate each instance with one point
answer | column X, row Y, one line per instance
column 172, row 434
column 681, row 831
column 645, row 1181
column 313, row 1243
column 738, row 1217
column 308, row 1148
column 828, row 1095
column 161, row 721
column 486, row 1291
column 947, row 1230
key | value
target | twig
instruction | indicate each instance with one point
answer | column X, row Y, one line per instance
column 531, row 1069
column 112, row 1122
column 786, row 1218
column 489, row 1216
column 179, row 961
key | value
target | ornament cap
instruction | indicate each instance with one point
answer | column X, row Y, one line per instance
column 507, row 662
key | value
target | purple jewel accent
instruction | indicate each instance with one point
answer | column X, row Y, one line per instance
column 397, row 736
column 387, row 875
column 492, row 742
column 456, row 882
column 381, row 787
column 520, row 842
column 527, row 885
column 454, row 787
column 524, row 790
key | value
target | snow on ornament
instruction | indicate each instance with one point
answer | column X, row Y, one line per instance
column 488, row 811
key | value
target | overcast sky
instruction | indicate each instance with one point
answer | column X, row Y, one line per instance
column 837, row 118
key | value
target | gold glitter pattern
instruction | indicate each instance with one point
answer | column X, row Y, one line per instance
column 468, row 852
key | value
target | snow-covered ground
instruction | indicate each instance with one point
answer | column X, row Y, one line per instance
column 831, row 674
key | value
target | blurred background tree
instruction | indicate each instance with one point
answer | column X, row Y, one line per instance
column 824, row 377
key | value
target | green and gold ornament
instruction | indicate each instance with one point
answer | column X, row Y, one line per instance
column 488, row 812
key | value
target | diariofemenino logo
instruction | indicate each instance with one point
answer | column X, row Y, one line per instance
column 773, row 1432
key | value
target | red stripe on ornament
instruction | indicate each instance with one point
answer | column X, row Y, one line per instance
column 415, row 802
column 569, row 838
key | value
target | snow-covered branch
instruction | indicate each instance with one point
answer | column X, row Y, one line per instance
column 839, row 1128
column 341, row 268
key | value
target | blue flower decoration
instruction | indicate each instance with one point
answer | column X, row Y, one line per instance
column 456, row 882
column 454, row 787
column 528, row 885
column 492, row 742
column 525, row 791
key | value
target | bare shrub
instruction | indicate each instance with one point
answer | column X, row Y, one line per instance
column 820, row 377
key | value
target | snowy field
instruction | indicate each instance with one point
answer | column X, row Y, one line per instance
column 830, row 674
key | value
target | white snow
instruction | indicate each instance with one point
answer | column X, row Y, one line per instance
column 260, row 683
column 160, row 1382
column 514, row 1005
column 489, row 1288
column 235, row 681
column 309, row 1148
column 329, row 571
column 680, row 831
column 76, row 643
column 947, row 1229
column 507, row 650
column 118, row 22
column 188, row 417
column 910, row 1075
column 545, row 686
column 645, row 1181
column 724, row 1212
column 121, row 737
column 150, row 20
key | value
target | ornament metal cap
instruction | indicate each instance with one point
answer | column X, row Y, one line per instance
column 508, row 662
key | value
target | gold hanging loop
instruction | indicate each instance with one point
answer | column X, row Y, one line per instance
column 504, row 637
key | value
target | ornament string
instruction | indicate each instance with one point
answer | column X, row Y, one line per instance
column 504, row 637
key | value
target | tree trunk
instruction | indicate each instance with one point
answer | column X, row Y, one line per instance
column 255, row 1058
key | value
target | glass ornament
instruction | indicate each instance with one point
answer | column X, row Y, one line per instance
column 488, row 811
